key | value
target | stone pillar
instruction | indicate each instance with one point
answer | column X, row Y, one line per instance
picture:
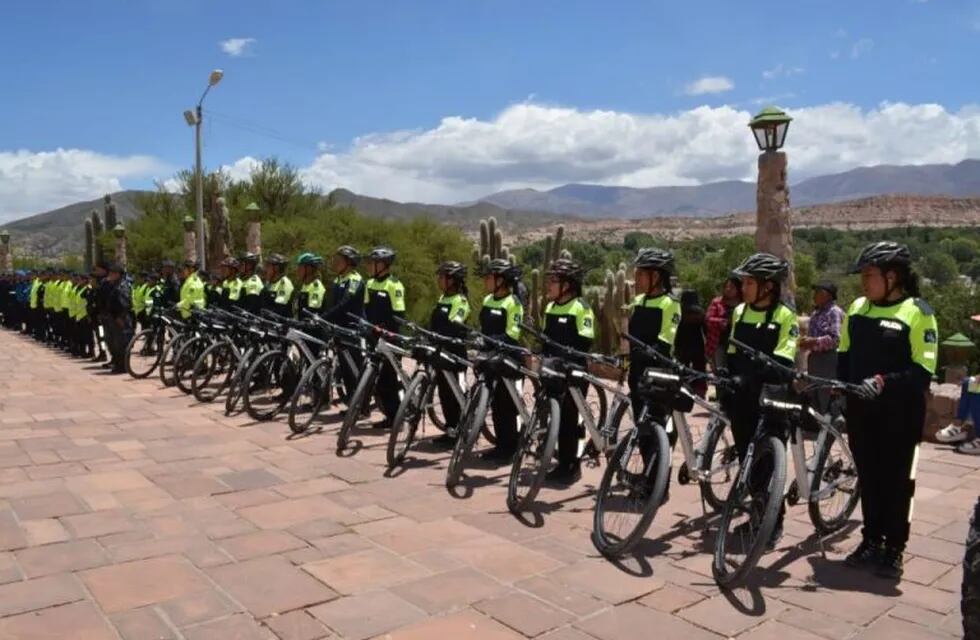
column 253, row 230
column 190, row 239
column 120, row 233
column 6, row 258
column 773, row 231
column 219, row 244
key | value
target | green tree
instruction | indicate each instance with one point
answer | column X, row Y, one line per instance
column 939, row 267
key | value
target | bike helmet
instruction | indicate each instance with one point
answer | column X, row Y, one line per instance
column 276, row 259
column 453, row 270
column 763, row 266
column 652, row 258
column 384, row 255
column 249, row 257
column 567, row 270
column 882, row 253
column 230, row 262
column 308, row 258
column 353, row 255
column 511, row 273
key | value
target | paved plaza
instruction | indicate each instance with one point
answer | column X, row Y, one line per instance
column 130, row 511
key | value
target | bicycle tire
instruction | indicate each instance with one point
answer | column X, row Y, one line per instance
column 433, row 406
column 537, row 447
column 311, row 390
column 601, row 403
column 647, row 496
column 721, row 463
column 970, row 588
column 237, row 383
column 407, row 417
column 841, row 469
column 765, row 448
column 365, row 386
column 165, row 367
column 221, row 354
column 272, row 365
column 185, row 359
column 141, row 341
column 474, row 414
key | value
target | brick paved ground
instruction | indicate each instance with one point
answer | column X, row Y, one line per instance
column 126, row 510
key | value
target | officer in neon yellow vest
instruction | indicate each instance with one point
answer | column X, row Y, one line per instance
column 252, row 285
column 278, row 295
column 191, row 290
column 139, row 298
column 311, row 291
column 231, row 284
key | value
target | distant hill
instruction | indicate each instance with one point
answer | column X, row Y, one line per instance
column 723, row 198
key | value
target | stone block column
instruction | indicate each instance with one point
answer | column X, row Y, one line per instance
column 773, row 230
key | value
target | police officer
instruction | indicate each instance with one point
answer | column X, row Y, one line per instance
column 501, row 318
column 888, row 345
column 311, row 290
column 765, row 323
column 151, row 299
column 120, row 315
column 169, row 284
column 104, row 333
column 384, row 300
column 655, row 315
column 192, row 294
column 84, row 340
column 231, row 284
column 278, row 294
column 252, row 285
column 449, row 318
column 569, row 321
column 347, row 299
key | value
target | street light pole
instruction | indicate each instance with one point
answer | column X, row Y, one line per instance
column 196, row 118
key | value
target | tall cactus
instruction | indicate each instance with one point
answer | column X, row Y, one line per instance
column 89, row 246
column 97, row 230
column 110, row 212
column 552, row 251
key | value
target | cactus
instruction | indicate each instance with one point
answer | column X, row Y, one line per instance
column 89, row 246
column 97, row 231
column 110, row 213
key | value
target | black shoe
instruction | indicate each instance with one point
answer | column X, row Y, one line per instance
column 100, row 358
column 108, row 365
column 890, row 563
column 382, row 424
column 564, row 475
column 445, row 441
column 497, row 455
column 115, row 371
column 865, row 555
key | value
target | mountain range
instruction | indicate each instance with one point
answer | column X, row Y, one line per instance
column 60, row 231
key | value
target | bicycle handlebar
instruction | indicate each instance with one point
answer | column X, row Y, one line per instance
column 814, row 382
column 614, row 361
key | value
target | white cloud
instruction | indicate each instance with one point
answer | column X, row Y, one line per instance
column 782, row 71
column 861, row 47
column 709, row 84
column 537, row 146
column 34, row 182
column 236, row 47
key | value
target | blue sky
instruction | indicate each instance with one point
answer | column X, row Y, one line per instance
column 445, row 101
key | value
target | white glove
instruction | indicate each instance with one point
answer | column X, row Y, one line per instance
column 870, row 388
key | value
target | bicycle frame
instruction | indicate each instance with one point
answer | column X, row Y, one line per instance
column 599, row 434
column 694, row 454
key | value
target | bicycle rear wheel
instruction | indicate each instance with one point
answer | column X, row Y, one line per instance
column 185, row 361
column 474, row 416
column 534, row 456
column 265, row 391
column 144, row 351
column 631, row 491
column 166, row 365
column 237, row 383
column 362, row 394
column 312, row 394
column 720, row 462
column 406, row 420
column 749, row 518
column 834, row 491
column 213, row 371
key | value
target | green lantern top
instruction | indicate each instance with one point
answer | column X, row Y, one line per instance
column 119, row 230
column 252, row 207
column 769, row 127
column 4, row 236
column 959, row 341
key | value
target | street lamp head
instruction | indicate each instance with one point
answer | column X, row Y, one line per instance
column 769, row 127
column 190, row 117
column 4, row 236
column 119, row 230
column 215, row 77
column 189, row 222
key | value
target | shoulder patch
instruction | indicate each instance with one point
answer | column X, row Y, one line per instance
column 930, row 337
column 794, row 331
column 924, row 307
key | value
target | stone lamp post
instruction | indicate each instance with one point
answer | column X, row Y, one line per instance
column 119, row 231
column 253, row 229
column 190, row 239
column 6, row 259
column 773, row 231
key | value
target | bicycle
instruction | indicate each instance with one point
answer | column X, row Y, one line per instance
column 261, row 336
column 217, row 364
column 145, row 350
column 319, row 381
column 739, row 547
column 433, row 362
column 385, row 350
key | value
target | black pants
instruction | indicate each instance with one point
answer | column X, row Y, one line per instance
column 654, row 413
column 504, row 417
column 388, row 388
column 884, row 436
column 745, row 421
column 450, row 407
column 350, row 371
column 570, row 429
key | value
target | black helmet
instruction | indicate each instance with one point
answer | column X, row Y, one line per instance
column 763, row 266
column 566, row 269
column 385, row 255
column 230, row 262
column 511, row 273
column 878, row 254
column 453, row 270
column 249, row 257
column 276, row 259
column 652, row 258
column 353, row 255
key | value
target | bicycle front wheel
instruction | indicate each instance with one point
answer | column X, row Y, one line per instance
column 406, row 420
column 358, row 403
column 534, row 456
column 834, row 490
column 311, row 395
column 749, row 517
column 265, row 391
column 185, row 362
column 143, row 352
column 719, row 465
column 213, row 371
column 474, row 416
column 631, row 491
